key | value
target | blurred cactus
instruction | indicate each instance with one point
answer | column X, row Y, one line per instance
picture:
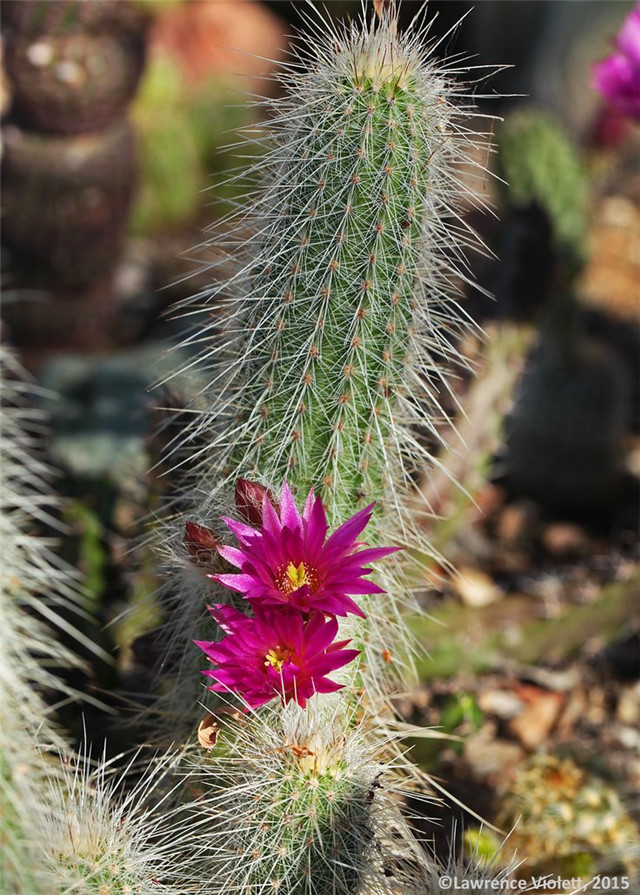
column 81, row 188
column 69, row 165
column 566, row 434
column 565, row 437
column 76, row 71
column 567, row 820
column 542, row 169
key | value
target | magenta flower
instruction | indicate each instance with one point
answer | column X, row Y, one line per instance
column 618, row 76
column 276, row 653
column 289, row 559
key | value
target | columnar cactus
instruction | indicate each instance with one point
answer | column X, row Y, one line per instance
column 341, row 317
column 339, row 324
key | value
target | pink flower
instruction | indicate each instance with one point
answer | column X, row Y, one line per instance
column 276, row 653
column 289, row 559
column 618, row 76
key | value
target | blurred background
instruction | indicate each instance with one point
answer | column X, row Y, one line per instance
column 116, row 118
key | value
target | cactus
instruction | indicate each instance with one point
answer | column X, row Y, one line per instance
column 98, row 835
column 339, row 326
column 340, row 322
column 36, row 592
column 540, row 166
column 565, row 438
column 568, row 819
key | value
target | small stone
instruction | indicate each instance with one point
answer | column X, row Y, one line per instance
column 475, row 588
column 565, row 539
column 40, row 53
column 500, row 703
column 489, row 758
column 628, row 708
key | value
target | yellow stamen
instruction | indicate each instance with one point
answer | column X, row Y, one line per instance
column 277, row 657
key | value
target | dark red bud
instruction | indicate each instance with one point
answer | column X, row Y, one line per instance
column 249, row 497
column 200, row 543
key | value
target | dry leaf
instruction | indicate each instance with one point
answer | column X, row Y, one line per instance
column 208, row 730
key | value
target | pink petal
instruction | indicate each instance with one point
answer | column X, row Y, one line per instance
column 288, row 512
column 344, row 537
column 233, row 555
column 239, row 583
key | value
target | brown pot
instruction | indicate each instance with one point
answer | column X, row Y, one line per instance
column 33, row 18
column 73, row 83
column 66, row 201
column 72, row 320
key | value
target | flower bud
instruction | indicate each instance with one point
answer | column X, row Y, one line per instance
column 249, row 497
column 200, row 543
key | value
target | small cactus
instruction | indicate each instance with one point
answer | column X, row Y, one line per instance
column 98, row 835
column 298, row 801
column 567, row 819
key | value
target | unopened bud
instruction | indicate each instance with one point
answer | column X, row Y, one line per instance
column 200, row 543
column 249, row 497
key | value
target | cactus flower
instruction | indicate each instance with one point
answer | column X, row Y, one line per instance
column 618, row 76
column 278, row 652
column 290, row 560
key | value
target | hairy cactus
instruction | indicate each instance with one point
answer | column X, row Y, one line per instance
column 291, row 801
column 96, row 835
column 340, row 320
column 36, row 592
column 322, row 356
column 567, row 819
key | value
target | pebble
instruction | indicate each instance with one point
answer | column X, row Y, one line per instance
column 476, row 588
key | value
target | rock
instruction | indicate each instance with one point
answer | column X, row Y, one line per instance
column 628, row 708
column 475, row 588
column 491, row 759
column 501, row 703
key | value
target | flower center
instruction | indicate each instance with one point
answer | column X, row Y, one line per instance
column 292, row 577
column 277, row 656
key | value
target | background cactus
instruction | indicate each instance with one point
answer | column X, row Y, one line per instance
column 565, row 438
column 567, row 820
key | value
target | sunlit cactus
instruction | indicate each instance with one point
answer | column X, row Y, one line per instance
column 321, row 357
column 568, row 819
column 97, row 834
column 324, row 351
column 295, row 801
